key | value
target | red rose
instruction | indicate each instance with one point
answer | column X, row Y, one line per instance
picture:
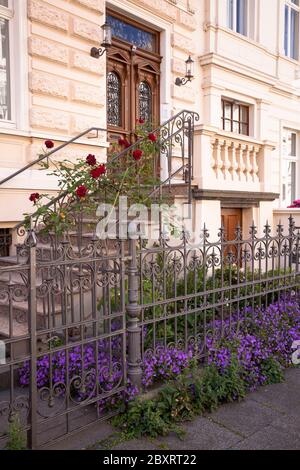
column 34, row 197
column 102, row 169
column 81, row 191
column 137, row 154
column 152, row 137
column 49, row 144
column 91, row 160
column 141, row 121
column 124, row 143
column 97, row 172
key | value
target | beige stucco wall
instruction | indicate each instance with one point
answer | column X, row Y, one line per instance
column 66, row 92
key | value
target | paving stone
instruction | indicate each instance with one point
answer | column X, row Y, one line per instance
column 270, row 438
column 136, row 444
column 284, row 397
column 202, row 434
column 84, row 439
column 246, row 417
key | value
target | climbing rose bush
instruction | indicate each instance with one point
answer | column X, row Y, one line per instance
column 129, row 171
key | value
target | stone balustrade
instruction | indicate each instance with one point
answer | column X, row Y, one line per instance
column 231, row 162
column 234, row 160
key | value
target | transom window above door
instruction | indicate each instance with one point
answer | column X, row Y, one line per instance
column 133, row 33
column 235, row 117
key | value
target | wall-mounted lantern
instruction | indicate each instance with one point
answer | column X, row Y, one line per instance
column 189, row 74
column 106, row 43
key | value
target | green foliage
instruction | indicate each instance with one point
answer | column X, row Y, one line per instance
column 176, row 401
column 16, row 435
column 272, row 370
column 193, row 393
column 143, row 418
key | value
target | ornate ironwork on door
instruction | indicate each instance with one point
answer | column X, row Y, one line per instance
column 145, row 102
column 114, row 100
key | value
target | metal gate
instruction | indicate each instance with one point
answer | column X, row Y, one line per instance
column 63, row 337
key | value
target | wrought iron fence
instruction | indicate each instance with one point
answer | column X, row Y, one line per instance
column 63, row 327
column 76, row 325
column 187, row 293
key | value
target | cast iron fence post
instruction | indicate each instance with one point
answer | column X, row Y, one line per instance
column 31, row 242
column 133, row 310
column 291, row 239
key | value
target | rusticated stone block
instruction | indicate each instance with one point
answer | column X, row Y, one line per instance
column 162, row 7
column 87, row 63
column 44, row 13
column 187, row 20
column 182, row 42
column 48, row 49
column 97, row 5
column 49, row 119
column 183, row 93
column 86, row 30
column 178, row 66
column 80, row 123
column 87, row 94
column 47, row 84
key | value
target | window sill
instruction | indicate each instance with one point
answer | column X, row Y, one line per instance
column 236, row 135
column 5, row 125
column 289, row 59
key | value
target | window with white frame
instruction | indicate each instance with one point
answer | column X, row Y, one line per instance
column 238, row 16
column 291, row 28
column 290, row 167
column 6, row 15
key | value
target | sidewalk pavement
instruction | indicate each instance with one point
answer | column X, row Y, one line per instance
column 268, row 418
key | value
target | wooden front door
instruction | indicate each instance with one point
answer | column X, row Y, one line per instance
column 231, row 218
column 133, row 78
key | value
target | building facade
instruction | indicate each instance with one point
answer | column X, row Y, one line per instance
column 246, row 90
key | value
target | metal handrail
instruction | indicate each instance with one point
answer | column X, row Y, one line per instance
column 48, row 154
column 124, row 152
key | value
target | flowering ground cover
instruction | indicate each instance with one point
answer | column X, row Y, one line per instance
column 257, row 344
